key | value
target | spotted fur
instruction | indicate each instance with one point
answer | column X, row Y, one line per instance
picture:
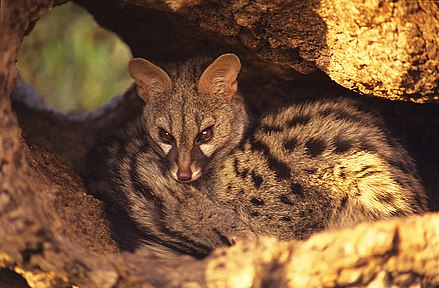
column 302, row 169
column 318, row 165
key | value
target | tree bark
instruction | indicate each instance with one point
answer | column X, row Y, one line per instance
column 381, row 48
column 54, row 234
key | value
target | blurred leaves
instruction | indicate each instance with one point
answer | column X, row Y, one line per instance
column 72, row 62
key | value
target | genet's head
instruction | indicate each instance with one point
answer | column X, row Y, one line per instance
column 193, row 117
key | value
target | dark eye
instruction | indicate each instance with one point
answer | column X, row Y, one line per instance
column 204, row 135
column 166, row 136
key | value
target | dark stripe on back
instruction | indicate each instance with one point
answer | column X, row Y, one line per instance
column 242, row 174
column 290, row 144
column 285, row 199
column 364, row 168
column 344, row 201
column 298, row 120
column 280, row 168
column 296, row 188
column 342, row 145
column 257, row 180
column 370, row 173
column 286, row 218
column 257, row 201
column 270, row 128
column 315, row 147
column 385, row 198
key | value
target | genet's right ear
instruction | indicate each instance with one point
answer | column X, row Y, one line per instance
column 150, row 79
column 220, row 77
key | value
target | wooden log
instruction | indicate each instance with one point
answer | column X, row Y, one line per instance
column 54, row 234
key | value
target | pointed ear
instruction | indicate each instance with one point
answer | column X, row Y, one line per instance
column 150, row 79
column 220, row 77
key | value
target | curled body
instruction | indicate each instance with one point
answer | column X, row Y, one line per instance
column 318, row 165
column 192, row 176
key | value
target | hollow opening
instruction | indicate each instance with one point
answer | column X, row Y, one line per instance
column 408, row 118
column 261, row 88
column 74, row 64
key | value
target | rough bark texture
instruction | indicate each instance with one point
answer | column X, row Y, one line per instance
column 382, row 48
column 55, row 235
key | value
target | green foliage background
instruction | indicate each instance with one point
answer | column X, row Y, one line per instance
column 72, row 62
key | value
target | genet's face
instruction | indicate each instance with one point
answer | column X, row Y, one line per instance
column 189, row 131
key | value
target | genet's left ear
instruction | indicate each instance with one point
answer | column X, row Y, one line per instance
column 220, row 77
column 150, row 79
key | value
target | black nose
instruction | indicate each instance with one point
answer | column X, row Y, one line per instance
column 184, row 175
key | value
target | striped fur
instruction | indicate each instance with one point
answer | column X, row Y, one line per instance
column 135, row 171
column 302, row 169
column 174, row 218
column 314, row 166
